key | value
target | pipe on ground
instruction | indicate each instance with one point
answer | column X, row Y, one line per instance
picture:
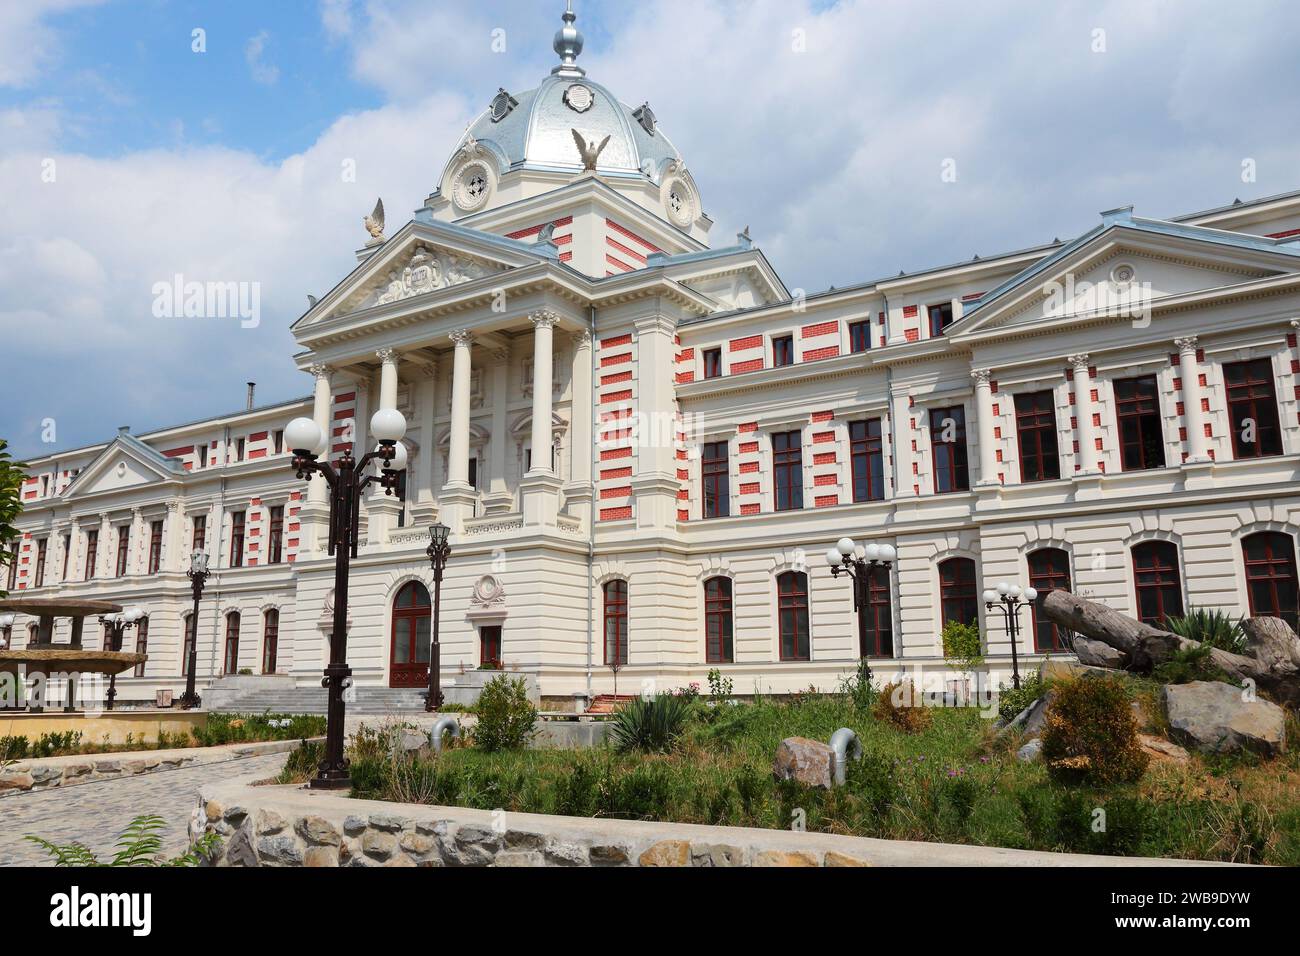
column 846, row 746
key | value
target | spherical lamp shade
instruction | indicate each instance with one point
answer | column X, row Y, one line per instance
column 833, row 557
column 888, row 552
column 871, row 552
column 1016, row 590
column 6, row 620
column 990, row 597
column 303, row 436
column 1003, row 588
column 388, row 424
column 846, row 547
column 132, row 614
column 1031, row 594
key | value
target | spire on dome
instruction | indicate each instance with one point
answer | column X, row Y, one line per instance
column 568, row 44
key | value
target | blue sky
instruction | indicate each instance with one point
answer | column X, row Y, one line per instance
column 224, row 165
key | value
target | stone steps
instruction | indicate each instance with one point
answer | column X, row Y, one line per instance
column 311, row 700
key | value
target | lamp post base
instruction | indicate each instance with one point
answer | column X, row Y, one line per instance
column 186, row 702
column 333, row 780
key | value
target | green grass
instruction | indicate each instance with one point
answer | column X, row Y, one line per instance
column 953, row 782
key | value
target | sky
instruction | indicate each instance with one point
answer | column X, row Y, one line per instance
column 145, row 139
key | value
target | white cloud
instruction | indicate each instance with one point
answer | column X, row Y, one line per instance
column 265, row 73
column 27, row 42
column 336, row 17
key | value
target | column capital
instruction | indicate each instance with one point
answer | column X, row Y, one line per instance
column 1080, row 361
column 1186, row 344
column 545, row 318
column 1295, row 325
column 463, row 338
column 582, row 339
column 981, row 376
column 320, row 370
column 387, row 356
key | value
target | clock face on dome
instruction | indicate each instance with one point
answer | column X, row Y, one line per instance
column 579, row 98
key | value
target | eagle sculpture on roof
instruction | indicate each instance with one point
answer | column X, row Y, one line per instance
column 375, row 221
column 588, row 153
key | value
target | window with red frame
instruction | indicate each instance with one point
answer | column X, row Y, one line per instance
column 1049, row 570
column 490, row 646
column 188, row 643
column 860, row 336
column 67, row 554
column 13, row 568
column 270, row 640
column 718, row 643
column 275, row 535
column 958, row 599
column 92, row 554
column 41, row 547
column 1137, row 410
column 1271, row 575
column 1252, row 409
column 237, row 539
column 948, row 450
column 1036, row 432
column 941, row 316
column 787, row 470
column 713, row 363
column 199, row 538
column 715, row 479
column 866, row 450
column 141, row 644
column 231, row 662
column 123, row 550
column 155, row 546
column 876, row 622
column 782, row 351
column 1157, row 581
column 792, row 616
column 615, row 623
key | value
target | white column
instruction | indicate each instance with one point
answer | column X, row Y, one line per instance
column 499, row 500
column 543, row 408
column 138, row 562
column 314, row 513
column 984, row 421
column 1085, row 429
column 458, row 451
column 900, row 421
column 387, row 378
column 424, row 500
column 578, row 492
column 1189, row 370
column 173, row 539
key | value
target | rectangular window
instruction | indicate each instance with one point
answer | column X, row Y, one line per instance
column 1137, row 409
column 948, row 450
column 141, row 644
column 40, row 562
column 867, row 451
column 123, row 549
column 792, row 616
column 860, row 336
column 237, row 539
column 270, row 641
column 92, row 554
column 716, row 480
column 277, row 442
column 231, row 665
column 239, row 449
column 490, row 646
column 473, row 469
column 200, row 456
column 787, row 470
column 875, row 619
column 188, row 645
column 275, row 536
column 1036, row 432
column 615, row 623
column 718, row 637
column 1252, row 409
column 712, row 363
column 940, row 318
column 155, row 546
column 13, row 569
column 782, row 351
column 199, row 539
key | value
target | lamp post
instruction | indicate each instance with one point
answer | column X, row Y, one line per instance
column 1010, row 598
column 116, row 625
column 198, row 575
column 6, row 626
column 859, row 562
column 438, row 551
column 346, row 484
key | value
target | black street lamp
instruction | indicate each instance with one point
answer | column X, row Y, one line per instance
column 115, row 626
column 438, row 551
column 1010, row 598
column 346, row 486
column 198, row 575
column 859, row 562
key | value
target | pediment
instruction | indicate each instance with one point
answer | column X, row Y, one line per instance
column 124, row 464
column 423, row 259
column 1119, row 272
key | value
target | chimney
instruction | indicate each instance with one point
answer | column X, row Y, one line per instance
column 252, row 387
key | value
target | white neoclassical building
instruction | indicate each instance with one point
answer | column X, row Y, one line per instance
column 643, row 444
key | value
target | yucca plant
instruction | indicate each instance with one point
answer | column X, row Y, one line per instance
column 1212, row 627
column 139, row 845
column 649, row 724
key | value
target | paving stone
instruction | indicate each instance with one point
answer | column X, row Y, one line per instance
column 319, row 831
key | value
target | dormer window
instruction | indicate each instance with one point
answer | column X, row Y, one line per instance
column 646, row 117
column 940, row 318
column 502, row 105
column 713, row 363
column 782, row 351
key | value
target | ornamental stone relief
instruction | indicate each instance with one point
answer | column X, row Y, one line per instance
column 427, row 270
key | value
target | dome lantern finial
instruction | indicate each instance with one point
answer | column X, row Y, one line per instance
column 568, row 44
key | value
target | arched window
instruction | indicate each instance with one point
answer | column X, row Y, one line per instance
column 876, row 622
column 792, row 616
column 1271, row 575
column 1049, row 570
column 957, row 595
column 141, row 643
column 412, row 623
column 1156, row 579
column 270, row 640
column 615, row 622
column 718, row 646
column 187, row 644
column 232, row 643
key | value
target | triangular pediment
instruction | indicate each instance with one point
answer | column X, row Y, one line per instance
column 423, row 260
column 126, row 463
column 1123, row 269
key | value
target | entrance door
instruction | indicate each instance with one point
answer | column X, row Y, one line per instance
column 412, row 618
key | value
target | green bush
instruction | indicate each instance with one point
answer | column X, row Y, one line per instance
column 858, row 688
column 13, row 748
column 1212, row 627
column 302, row 763
column 256, row 728
column 139, row 845
column 910, row 716
column 963, row 649
column 505, row 715
column 1091, row 734
column 1012, row 701
column 649, row 725
column 1187, row 665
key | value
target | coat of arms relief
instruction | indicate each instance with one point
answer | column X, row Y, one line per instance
column 427, row 270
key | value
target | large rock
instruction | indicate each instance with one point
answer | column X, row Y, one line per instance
column 1099, row 653
column 1216, row 718
column 808, row 761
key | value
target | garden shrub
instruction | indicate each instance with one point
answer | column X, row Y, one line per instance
column 1091, row 734
column 505, row 715
column 963, row 649
column 906, row 714
column 858, row 688
column 1012, row 701
column 1190, row 664
column 1212, row 627
column 649, row 725
column 302, row 763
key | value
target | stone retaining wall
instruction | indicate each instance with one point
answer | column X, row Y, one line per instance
column 297, row 827
column 48, row 773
